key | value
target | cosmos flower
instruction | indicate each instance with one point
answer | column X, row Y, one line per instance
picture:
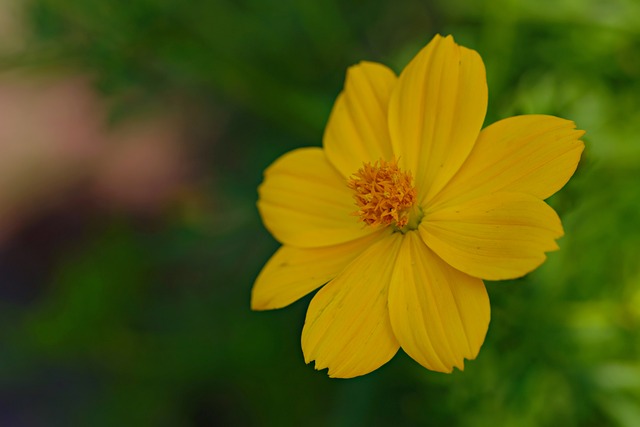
column 404, row 211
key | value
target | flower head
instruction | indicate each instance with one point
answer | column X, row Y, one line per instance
column 440, row 204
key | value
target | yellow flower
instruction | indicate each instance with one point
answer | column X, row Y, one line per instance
column 406, row 208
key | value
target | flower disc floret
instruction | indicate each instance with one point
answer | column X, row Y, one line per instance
column 384, row 193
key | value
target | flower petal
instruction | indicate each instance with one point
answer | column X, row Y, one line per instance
column 498, row 236
column 304, row 202
column 357, row 129
column 291, row 273
column 347, row 326
column 439, row 315
column 436, row 112
column 532, row 154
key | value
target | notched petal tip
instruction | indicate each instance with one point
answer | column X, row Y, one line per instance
column 335, row 373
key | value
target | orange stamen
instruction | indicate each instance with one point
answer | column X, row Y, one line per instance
column 384, row 193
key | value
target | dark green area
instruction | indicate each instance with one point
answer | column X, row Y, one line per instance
column 150, row 325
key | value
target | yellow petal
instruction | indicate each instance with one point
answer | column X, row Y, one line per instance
column 495, row 237
column 436, row 112
column 304, row 202
column 347, row 326
column 291, row 273
column 439, row 315
column 531, row 154
column 357, row 129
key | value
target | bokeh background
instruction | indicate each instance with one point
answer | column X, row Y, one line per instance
column 133, row 135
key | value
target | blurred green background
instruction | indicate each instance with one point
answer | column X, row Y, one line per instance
column 133, row 135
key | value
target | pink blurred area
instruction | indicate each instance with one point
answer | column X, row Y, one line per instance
column 55, row 144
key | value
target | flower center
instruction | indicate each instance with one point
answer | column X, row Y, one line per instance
column 384, row 194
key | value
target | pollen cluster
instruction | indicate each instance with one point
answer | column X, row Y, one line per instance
column 384, row 193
